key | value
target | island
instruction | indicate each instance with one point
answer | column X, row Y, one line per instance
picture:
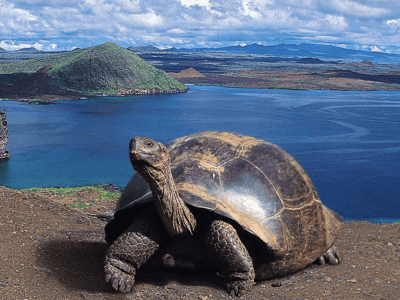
column 107, row 69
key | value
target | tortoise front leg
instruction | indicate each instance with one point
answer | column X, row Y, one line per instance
column 132, row 249
column 228, row 253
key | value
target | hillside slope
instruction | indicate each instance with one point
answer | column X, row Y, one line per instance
column 103, row 69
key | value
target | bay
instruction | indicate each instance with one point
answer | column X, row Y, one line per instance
column 348, row 142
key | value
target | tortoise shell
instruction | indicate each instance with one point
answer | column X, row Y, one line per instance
column 253, row 182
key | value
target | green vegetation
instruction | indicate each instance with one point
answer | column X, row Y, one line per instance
column 79, row 203
column 107, row 68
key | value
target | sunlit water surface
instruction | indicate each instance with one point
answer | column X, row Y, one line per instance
column 348, row 142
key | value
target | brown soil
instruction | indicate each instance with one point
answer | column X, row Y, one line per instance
column 344, row 80
column 51, row 251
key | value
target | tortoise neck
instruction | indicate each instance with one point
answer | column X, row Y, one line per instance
column 174, row 213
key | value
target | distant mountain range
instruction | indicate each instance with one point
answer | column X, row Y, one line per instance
column 30, row 49
column 144, row 49
column 103, row 69
column 324, row 52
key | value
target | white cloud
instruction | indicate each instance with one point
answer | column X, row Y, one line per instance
column 375, row 49
column 251, row 9
column 178, row 31
column 16, row 20
column 200, row 22
column 128, row 6
column 393, row 23
column 337, row 22
column 354, row 8
column 10, row 45
column 189, row 3
column 148, row 19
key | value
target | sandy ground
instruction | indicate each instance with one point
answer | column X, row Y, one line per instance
column 51, row 251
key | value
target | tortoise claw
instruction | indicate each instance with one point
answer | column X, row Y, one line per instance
column 238, row 288
column 321, row 260
column 331, row 257
column 118, row 277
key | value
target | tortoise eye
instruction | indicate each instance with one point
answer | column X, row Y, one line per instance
column 149, row 144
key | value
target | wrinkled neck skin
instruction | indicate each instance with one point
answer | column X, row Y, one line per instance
column 174, row 213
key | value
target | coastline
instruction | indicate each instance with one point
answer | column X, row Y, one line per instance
column 112, row 191
column 44, row 98
column 301, row 81
column 47, row 92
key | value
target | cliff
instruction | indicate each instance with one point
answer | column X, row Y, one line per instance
column 3, row 135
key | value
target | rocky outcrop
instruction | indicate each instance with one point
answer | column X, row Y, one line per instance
column 143, row 91
column 187, row 73
column 3, row 135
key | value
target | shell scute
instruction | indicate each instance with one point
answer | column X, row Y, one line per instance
column 198, row 186
column 211, row 150
column 247, row 189
column 275, row 233
column 284, row 173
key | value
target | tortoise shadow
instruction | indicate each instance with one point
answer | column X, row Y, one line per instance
column 76, row 264
column 79, row 265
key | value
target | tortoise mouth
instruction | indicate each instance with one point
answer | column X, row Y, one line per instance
column 138, row 158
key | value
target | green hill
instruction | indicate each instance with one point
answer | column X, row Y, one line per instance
column 107, row 68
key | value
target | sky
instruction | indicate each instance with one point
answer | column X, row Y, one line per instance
column 372, row 25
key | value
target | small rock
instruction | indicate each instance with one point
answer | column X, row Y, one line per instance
column 277, row 284
column 201, row 297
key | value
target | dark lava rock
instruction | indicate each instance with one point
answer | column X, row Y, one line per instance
column 3, row 135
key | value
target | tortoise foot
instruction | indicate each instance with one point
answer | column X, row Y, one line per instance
column 239, row 287
column 120, row 274
column 331, row 257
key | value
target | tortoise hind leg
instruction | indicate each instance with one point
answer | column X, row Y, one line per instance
column 331, row 256
column 225, row 249
column 132, row 249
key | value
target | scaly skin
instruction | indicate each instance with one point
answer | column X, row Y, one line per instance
column 132, row 249
column 227, row 252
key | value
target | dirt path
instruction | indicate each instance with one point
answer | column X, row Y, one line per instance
column 51, row 251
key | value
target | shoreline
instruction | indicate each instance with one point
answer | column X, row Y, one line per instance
column 50, row 99
column 300, row 81
column 268, row 80
column 111, row 187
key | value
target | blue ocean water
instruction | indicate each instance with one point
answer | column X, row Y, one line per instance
column 348, row 142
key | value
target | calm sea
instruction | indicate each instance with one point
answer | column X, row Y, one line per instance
column 348, row 142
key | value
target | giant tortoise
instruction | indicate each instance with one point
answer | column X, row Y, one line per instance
column 218, row 200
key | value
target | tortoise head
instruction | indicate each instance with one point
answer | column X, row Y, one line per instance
column 147, row 155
